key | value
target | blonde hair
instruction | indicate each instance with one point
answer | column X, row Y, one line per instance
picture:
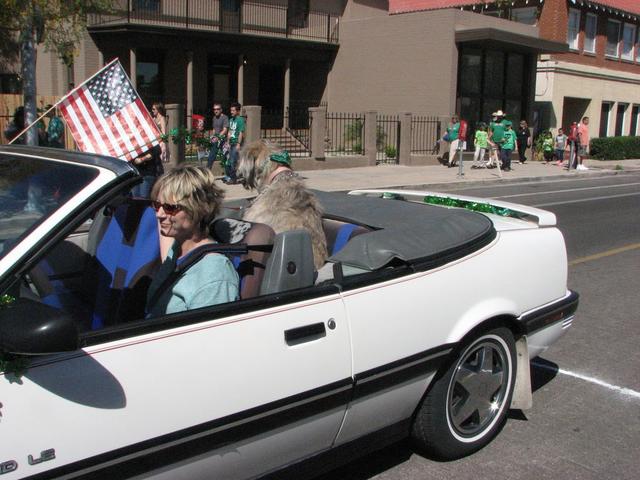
column 255, row 164
column 195, row 190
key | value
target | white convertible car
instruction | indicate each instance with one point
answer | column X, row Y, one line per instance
column 422, row 323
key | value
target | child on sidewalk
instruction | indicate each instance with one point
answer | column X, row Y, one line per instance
column 559, row 146
column 509, row 144
column 547, row 147
column 481, row 141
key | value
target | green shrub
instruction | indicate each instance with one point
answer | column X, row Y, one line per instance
column 390, row 151
column 615, row 148
column 357, row 148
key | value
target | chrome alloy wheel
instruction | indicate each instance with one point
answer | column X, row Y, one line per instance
column 479, row 387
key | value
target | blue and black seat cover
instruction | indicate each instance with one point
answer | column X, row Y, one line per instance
column 126, row 256
column 339, row 232
column 251, row 264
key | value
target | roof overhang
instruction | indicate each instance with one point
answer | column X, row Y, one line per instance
column 497, row 38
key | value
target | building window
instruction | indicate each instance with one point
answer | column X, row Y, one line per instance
column 613, row 38
column 628, row 39
column 527, row 15
column 635, row 117
column 620, row 112
column 491, row 80
column 590, row 28
column 149, row 78
column 605, row 113
column 146, row 6
column 298, row 13
column 574, row 28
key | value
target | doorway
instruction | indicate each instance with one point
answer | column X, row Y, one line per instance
column 222, row 83
column 271, row 95
column 573, row 109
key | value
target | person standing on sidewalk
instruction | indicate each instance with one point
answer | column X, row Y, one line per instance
column 583, row 142
column 219, row 130
column 235, row 136
column 509, row 144
column 523, row 135
column 559, row 146
column 496, row 134
column 481, row 142
column 454, row 141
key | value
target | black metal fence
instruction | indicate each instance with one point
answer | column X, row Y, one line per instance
column 291, row 129
column 387, row 139
column 229, row 16
column 425, row 132
column 345, row 134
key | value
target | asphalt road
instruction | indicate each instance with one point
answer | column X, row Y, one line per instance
column 585, row 420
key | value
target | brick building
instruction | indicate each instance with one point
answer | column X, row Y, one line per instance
column 600, row 74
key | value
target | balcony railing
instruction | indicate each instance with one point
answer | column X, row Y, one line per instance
column 242, row 17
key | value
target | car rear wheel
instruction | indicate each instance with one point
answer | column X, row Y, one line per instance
column 467, row 405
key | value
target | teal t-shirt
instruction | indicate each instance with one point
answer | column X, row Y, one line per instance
column 210, row 281
column 236, row 125
column 453, row 131
column 481, row 139
column 509, row 140
column 498, row 131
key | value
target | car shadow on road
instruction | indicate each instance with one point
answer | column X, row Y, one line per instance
column 372, row 464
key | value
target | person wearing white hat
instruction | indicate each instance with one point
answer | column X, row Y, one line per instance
column 496, row 136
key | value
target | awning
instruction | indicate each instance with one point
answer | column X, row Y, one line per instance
column 501, row 39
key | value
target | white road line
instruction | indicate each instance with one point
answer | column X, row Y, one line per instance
column 621, row 390
column 590, row 199
column 547, row 180
column 569, row 190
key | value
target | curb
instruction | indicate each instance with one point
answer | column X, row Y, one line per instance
column 461, row 184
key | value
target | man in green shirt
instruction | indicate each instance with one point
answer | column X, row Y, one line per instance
column 235, row 136
column 496, row 134
column 508, row 145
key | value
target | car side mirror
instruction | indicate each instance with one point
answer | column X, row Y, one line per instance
column 28, row 327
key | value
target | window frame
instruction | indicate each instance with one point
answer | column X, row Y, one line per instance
column 574, row 43
column 606, row 53
column 594, row 36
column 631, row 55
column 526, row 11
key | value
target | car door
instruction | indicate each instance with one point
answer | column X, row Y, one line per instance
column 225, row 392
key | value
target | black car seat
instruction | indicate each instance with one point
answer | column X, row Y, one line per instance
column 250, row 265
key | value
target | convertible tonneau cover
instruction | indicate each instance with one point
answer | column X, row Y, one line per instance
column 404, row 231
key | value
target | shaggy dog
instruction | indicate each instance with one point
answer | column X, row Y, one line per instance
column 283, row 201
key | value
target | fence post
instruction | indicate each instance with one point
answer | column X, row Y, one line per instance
column 404, row 153
column 254, row 123
column 175, row 116
column 318, row 118
column 370, row 130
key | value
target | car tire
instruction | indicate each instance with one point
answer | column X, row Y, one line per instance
column 467, row 405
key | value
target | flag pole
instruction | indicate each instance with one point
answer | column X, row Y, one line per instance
column 62, row 100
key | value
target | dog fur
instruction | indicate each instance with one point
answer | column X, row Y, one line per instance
column 285, row 203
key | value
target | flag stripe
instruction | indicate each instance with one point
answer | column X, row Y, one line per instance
column 73, row 120
column 114, row 146
column 90, row 124
column 124, row 115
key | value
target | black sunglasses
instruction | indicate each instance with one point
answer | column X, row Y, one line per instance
column 169, row 208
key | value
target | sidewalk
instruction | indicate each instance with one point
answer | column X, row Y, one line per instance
column 437, row 177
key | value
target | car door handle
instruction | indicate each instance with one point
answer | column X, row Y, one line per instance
column 304, row 334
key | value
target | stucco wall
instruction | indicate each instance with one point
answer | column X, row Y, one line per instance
column 392, row 63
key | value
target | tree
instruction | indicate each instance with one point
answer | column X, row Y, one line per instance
column 58, row 24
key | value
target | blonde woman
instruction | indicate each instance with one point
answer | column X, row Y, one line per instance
column 186, row 200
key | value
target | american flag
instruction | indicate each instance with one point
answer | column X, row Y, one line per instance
column 105, row 115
